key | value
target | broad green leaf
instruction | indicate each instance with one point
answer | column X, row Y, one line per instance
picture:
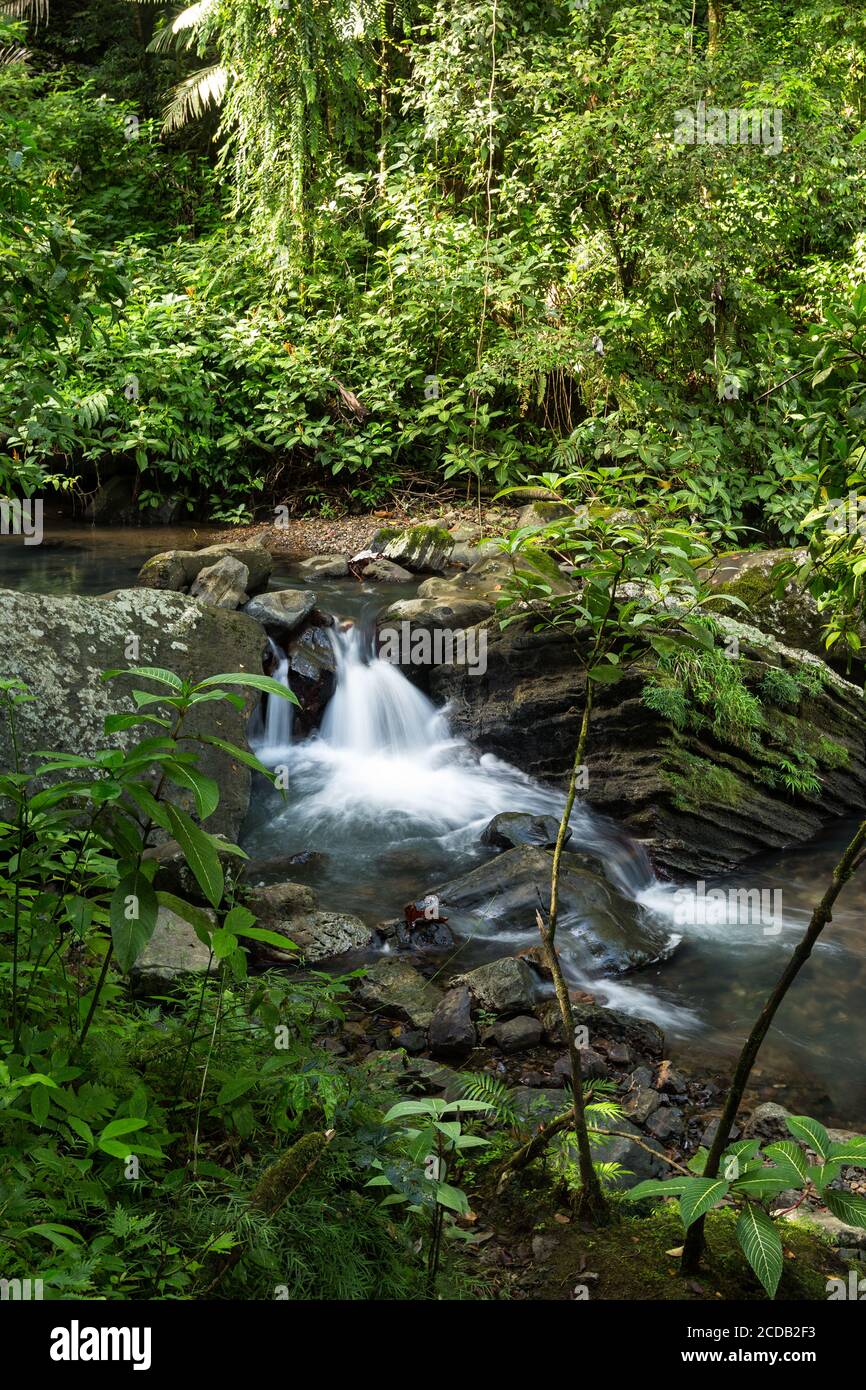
column 847, row 1206
column 198, row 917
column 764, row 1182
column 132, row 913
column 254, row 680
column 203, row 788
column 241, row 755
column 761, row 1246
column 151, row 673
column 850, row 1152
column 116, row 1128
column 652, row 1187
column 699, row 1195
column 791, row 1160
column 809, row 1132
column 199, row 852
column 452, row 1197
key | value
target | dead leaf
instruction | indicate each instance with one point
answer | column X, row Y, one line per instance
column 677, row 1251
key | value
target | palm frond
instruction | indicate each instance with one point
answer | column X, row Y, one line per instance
column 195, row 95
column 13, row 53
column 181, row 30
column 35, row 11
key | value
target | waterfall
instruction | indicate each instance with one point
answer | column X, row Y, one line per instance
column 271, row 735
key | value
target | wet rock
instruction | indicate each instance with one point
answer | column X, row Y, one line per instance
column 312, row 676
column 414, row 1040
column 503, row 987
column 641, row 1103
column 512, row 828
column 278, row 905
column 172, row 954
column 666, row 1123
column 637, row 1033
column 671, row 1081
column 452, row 1031
column 178, row 569
column 641, row 1076
column 282, row 611
column 422, row 549
column 423, row 936
column 516, row 1034
column 383, row 571
column 468, row 553
column 592, row 1065
column 325, row 567
column 618, row 1054
column 614, row 935
column 87, row 636
column 223, row 584
column 397, row 990
column 767, row 1122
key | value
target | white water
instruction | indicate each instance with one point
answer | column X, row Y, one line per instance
column 272, row 737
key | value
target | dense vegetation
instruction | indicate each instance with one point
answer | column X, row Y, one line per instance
column 474, row 219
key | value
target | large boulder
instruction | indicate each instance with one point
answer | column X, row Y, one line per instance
column 324, row 567
column 292, row 910
column 510, row 829
column 281, row 612
column 173, row 954
column 60, row 645
column 700, row 802
column 452, row 1032
column 423, row 549
column 178, row 569
column 223, row 584
column 396, row 989
column 502, row 987
column 600, row 929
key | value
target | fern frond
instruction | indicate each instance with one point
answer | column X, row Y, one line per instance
column 195, row 95
column 182, row 29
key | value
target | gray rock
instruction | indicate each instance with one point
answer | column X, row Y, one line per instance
column 641, row 1103
column 631, row 1156
column 177, row 569
column 512, row 828
column 291, row 910
column 837, row 1232
column 637, row 1033
column 666, row 1123
column 397, row 990
column 421, row 549
column 325, row 567
column 86, row 636
column 173, row 953
column 515, row 1034
column 468, row 553
column 592, row 1065
column 452, row 1031
column 503, row 987
column 281, row 611
column 312, row 676
column 383, row 571
column 767, row 1122
column 608, row 932
column 223, row 584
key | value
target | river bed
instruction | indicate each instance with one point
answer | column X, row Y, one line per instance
column 395, row 805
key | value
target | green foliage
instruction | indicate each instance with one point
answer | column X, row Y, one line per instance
column 752, row 1175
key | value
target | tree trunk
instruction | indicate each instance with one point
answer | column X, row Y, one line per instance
column 591, row 1201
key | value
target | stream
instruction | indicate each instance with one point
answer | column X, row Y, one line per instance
column 393, row 803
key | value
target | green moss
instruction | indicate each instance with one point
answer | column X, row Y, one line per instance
column 831, row 754
column 696, row 781
column 630, row 1257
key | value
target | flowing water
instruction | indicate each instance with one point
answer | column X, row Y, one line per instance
column 392, row 803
